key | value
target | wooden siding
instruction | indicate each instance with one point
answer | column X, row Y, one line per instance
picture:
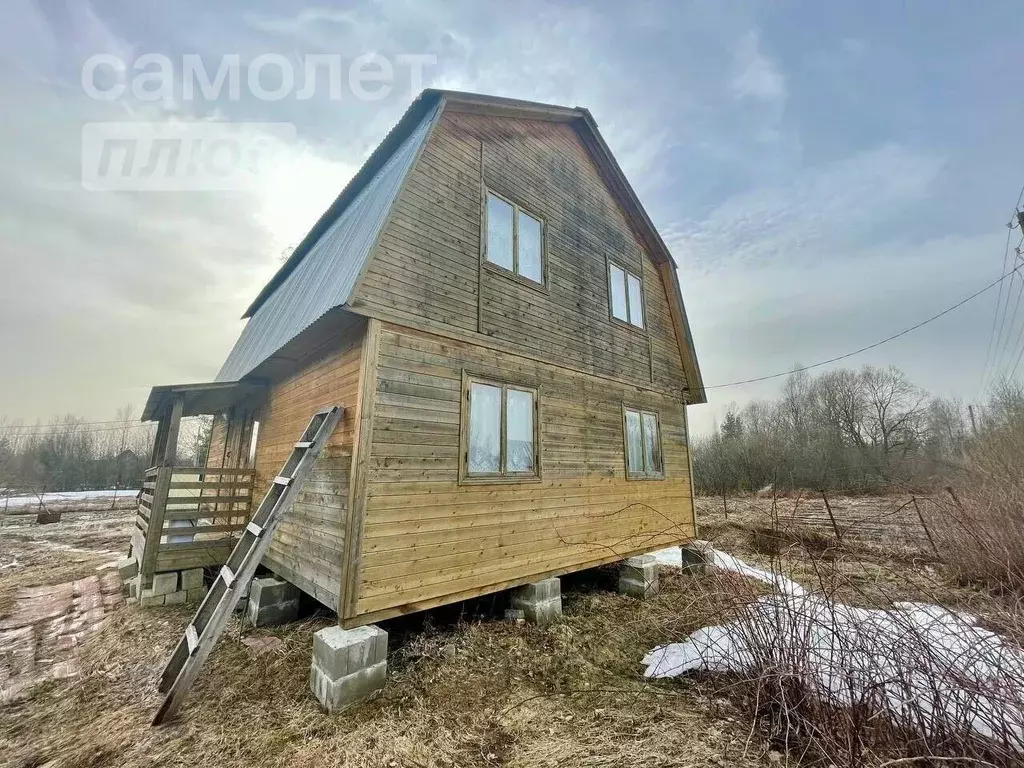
column 307, row 550
column 428, row 540
column 426, row 271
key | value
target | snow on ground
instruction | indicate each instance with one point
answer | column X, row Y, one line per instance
column 673, row 556
column 928, row 668
column 13, row 502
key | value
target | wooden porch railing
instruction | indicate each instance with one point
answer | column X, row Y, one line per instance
column 190, row 517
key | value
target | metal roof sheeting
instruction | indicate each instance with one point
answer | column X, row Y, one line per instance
column 326, row 275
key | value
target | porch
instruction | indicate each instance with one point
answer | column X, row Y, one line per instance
column 191, row 516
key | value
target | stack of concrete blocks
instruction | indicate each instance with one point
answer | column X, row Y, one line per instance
column 169, row 588
column 694, row 560
column 540, row 602
column 638, row 577
column 349, row 665
column 272, row 601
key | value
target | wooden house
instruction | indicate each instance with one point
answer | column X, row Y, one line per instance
column 503, row 325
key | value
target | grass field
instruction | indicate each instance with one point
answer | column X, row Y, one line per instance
column 465, row 687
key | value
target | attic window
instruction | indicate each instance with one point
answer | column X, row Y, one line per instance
column 626, row 293
column 515, row 239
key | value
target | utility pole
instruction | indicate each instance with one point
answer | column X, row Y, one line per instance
column 974, row 426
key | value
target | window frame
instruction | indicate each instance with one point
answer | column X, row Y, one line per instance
column 503, row 476
column 514, row 273
column 644, row 474
column 627, row 273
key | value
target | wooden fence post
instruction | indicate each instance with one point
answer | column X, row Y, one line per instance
column 828, row 507
column 924, row 525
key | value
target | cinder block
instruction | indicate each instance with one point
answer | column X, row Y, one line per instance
column 191, row 579
column 353, row 688
column 196, row 595
column 165, row 583
column 148, row 599
column 540, row 602
column 693, row 559
column 134, row 587
column 176, row 598
column 272, row 601
column 638, row 577
column 339, row 652
column 127, row 568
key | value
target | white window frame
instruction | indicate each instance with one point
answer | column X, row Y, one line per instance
column 514, row 272
column 630, row 310
column 503, row 475
column 646, row 473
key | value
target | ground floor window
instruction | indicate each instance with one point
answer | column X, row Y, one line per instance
column 643, row 444
column 499, row 431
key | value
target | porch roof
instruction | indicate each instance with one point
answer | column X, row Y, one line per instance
column 209, row 398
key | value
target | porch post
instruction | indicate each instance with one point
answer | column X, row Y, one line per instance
column 160, row 443
column 164, row 453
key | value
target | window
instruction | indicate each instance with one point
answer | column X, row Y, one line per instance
column 515, row 239
column 626, row 293
column 643, row 444
column 500, row 431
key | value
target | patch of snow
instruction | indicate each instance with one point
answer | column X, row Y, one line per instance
column 927, row 668
column 726, row 562
column 671, row 556
column 12, row 564
column 12, row 502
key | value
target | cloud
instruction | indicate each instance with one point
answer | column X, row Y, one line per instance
column 823, row 210
column 756, row 75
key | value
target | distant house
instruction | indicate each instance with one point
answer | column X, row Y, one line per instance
column 503, row 325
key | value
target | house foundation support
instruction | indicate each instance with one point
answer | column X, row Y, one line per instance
column 693, row 558
column 540, row 602
column 638, row 577
column 167, row 588
column 349, row 665
column 272, row 601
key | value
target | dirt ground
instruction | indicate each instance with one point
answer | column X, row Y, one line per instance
column 465, row 687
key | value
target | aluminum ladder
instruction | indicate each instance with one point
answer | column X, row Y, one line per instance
column 216, row 609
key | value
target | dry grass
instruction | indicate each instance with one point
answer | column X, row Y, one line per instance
column 461, row 691
column 33, row 554
column 464, row 687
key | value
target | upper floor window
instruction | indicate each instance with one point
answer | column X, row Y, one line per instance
column 643, row 444
column 515, row 239
column 499, row 431
column 626, row 293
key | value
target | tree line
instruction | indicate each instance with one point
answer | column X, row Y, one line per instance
column 842, row 430
column 71, row 454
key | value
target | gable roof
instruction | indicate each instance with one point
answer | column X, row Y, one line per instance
column 324, row 268
column 322, row 271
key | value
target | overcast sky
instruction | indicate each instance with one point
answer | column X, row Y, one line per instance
column 825, row 173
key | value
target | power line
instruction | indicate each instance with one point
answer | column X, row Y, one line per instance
column 886, row 340
column 999, row 368
column 999, row 301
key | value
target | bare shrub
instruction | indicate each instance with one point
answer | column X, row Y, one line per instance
column 979, row 526
column 833, row 682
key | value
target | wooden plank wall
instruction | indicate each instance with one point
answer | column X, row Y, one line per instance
column 307, row 550
column 427, row 264
column 427, row 540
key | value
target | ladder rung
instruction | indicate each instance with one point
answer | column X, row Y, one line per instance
column 254, row 529
column 228, row 576
column 282, row 480
column 304, row 444
column 192, row 638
